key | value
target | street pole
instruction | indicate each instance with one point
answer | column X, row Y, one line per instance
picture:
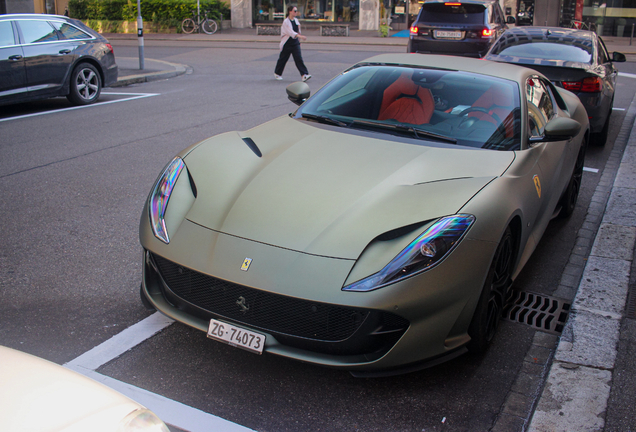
column 632, row 36
column 140, row 35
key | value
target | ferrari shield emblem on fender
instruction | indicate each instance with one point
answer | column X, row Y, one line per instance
column 537, row 184
column 246, row 264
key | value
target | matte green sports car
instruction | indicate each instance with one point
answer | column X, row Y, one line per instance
column 380, row 226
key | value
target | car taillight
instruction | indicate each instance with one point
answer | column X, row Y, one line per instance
column 487, row 32
column 592, row 85
column 587, row 85
column 109, row 48
column 452, row 4
column 414, row 30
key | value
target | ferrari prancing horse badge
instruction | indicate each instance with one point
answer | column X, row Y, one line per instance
column 246, row 264
column 537, row 184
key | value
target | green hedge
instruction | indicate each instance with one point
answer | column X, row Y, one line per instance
column 158, row 11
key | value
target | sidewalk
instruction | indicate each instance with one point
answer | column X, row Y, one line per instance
column 585, row 380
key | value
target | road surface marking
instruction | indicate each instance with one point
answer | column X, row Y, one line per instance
column 135, row 96
column 592, row 170
column 171, row 412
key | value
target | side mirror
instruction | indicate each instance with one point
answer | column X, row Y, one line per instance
column 298, row 92
column 561, row 129
column 618, row 57
column 510, row 20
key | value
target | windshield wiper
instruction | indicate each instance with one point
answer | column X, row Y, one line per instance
column 417, row 132
column 325, row 119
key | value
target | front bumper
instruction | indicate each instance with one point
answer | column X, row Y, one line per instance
column 304, row 316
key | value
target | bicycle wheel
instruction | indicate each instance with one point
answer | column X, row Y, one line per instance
column 209, row 26
column 188, row 25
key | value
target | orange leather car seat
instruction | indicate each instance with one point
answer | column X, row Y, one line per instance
column 406, row 102
column 497, row 100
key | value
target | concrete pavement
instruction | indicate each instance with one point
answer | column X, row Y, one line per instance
column 584, row 380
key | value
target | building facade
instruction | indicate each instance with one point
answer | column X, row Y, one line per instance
column 606, row 17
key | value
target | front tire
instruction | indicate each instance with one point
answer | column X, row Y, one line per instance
column 494, row 294
column 187, row 26
column 209, row 26
column 85, row 86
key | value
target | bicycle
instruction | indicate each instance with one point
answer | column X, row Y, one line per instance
column 196, row 22
column 583, row 25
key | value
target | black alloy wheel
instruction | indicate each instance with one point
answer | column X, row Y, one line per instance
column 85, row 86
column 494, row 295
column 571, row 195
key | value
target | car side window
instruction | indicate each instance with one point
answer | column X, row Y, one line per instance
column 35, row 31
column 6, row 34
column 69, row 31
column 540, row 106
column 603, row 56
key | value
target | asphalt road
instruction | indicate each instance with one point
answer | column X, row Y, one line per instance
column 73, row 185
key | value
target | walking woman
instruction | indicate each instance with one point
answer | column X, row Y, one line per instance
column 290, row 45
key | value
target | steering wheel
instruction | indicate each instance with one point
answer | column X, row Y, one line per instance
column 481, row 110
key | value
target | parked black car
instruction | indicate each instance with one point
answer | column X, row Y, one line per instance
column 466, row 27
column 43, row 56
column 576, row 60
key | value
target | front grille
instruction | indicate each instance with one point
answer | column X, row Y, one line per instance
column 286, row 317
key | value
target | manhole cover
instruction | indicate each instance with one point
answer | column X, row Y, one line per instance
column 545, row 313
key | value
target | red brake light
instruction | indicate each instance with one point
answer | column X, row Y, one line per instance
column 414, row 30
column 487, row 32
column 592, row 85
column 587, row 85
column 452, row 4
column 109, row 48
column 573, row 86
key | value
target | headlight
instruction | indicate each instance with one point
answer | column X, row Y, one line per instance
column 142, row 421
column 160, row 196
column 423, row 253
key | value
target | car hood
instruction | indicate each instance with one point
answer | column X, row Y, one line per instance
column 329, row 191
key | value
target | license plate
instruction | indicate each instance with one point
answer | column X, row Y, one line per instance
column 236, row 336
column 446, row 34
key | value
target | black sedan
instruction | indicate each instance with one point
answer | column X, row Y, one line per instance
column 43, row 56
column 575, row 60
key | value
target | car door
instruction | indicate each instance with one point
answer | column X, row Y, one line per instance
column 609, row 74
column 47, row 57
column 555, row 159
column 13, row 84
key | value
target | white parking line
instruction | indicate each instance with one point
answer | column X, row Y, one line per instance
column 592, row 170
column 618, row 109
column 172, row 412
column 626, row 75
column 135, row 96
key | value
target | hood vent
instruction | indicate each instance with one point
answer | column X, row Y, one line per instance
column 252, row 145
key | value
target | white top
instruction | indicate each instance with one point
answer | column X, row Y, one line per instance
column 287, row 31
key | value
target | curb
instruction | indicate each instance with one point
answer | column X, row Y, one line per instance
column 577, row 389
column 564, row 383
column 179, row 69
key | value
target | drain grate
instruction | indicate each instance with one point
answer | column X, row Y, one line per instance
column 630, row 307
column 539, row 311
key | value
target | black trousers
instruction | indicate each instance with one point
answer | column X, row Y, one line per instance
column 293, row 50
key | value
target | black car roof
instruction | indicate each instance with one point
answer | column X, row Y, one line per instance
column 553, row 34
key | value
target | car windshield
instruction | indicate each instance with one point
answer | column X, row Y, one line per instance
column 546, row 50
column 429, row 104
column 457, row 13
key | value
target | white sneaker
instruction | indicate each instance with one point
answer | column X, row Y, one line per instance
column 306, row 77
column 278, row 77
